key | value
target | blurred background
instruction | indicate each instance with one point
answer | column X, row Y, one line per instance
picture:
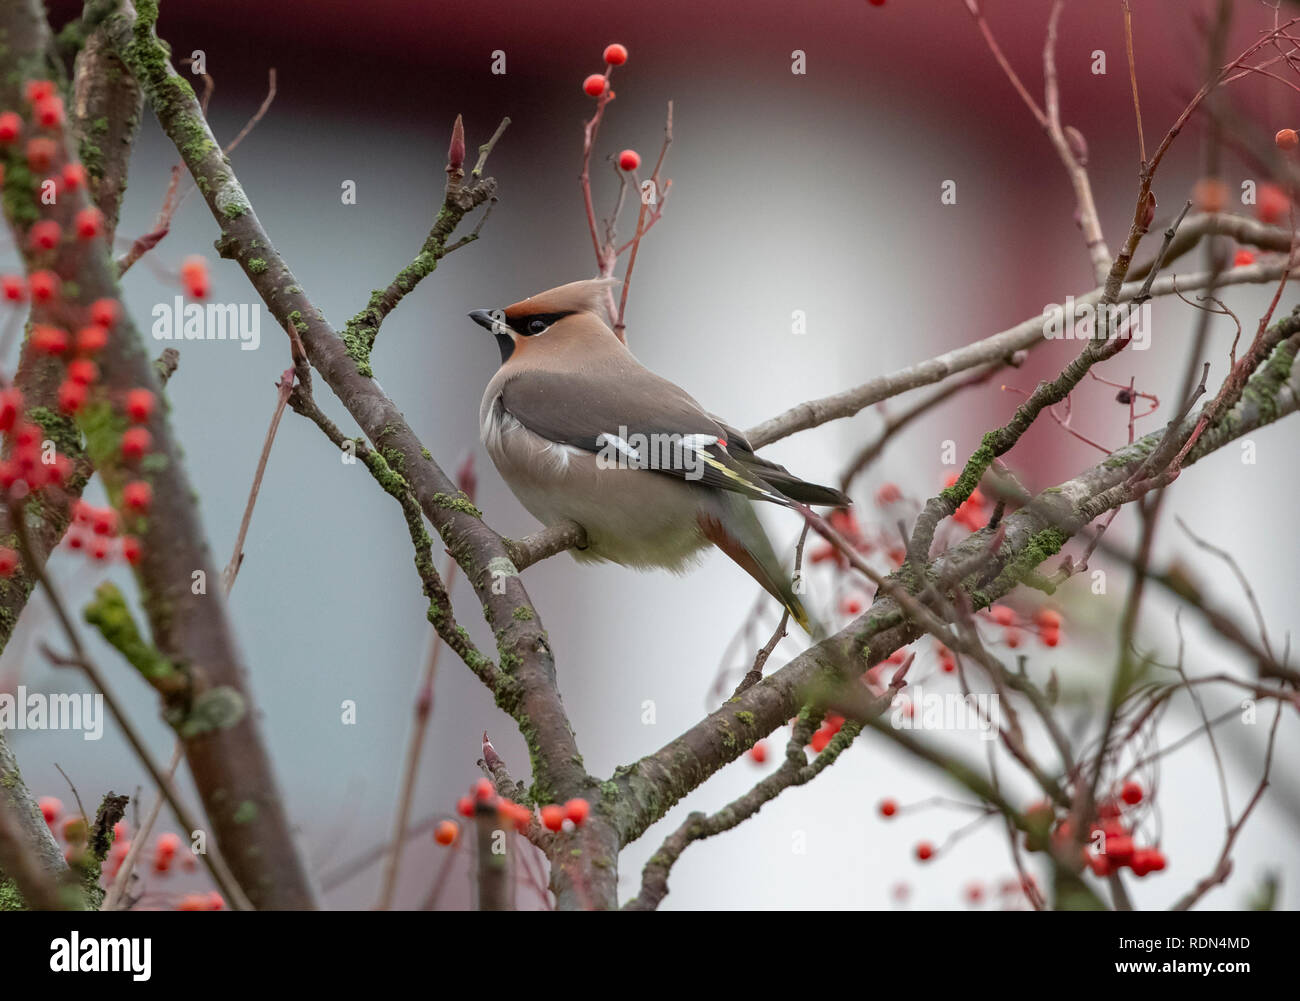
column 817, row 192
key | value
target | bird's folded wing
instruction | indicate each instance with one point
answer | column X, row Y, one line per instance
column 638, row 420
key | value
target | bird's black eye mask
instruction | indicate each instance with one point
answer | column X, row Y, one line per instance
column 536, row 323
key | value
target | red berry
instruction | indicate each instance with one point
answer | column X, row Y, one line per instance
column 615, row 55
column 137, row 496
column 1242, row 259
column 820, row 739
column 11, row 405
column 974, row 891
column 1210, row 194
column 74, row 176
column 90, row 223
column 100, row 548
column 83, row 370
column 44, row 285
column 1119, row 849
column 595, row 85
column 103, row 312
column 577, row 811
column 629, row 159
column 168, row 844
column 1002, row 615
column 552, row 817
column 1012, row 638
column 193, row 902
column 484, row 791
column 38, row 90
column 27, row 435
column 72, row 396
column 851, row 605
column 822, row 553
column 465, row 806
column 45, row 235
column 41, row 153
column 1050, row 637
column 1131, row 793
column 91, row 340
column 194, row 276
column 888, row 494
column 1286, row 139
column 11, row 127
column 516, row 813
column 136, row 443
column 120, row 831
column 10, row 473
column 445, row 833
column 49, row 112
column 103, row 521
column 758, row 753
column 888, row 807
column 13, row 288
column 49, row 340
column 1048, row 618
column 139, row 407
column 1271, row 203
column 925, row 851
column 50, row 808
column 131, row 551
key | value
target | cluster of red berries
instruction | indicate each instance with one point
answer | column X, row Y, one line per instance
column 1110, row 833
column 1046, row 623
column 971, row 513
column 77, row 339
column 95, row 530
column 597, row 85
column 552, row 816
column 831, row 725
column 166, row 851
column 46, row 114
column 851, row 601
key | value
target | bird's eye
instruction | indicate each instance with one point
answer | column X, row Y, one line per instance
column 536, row 326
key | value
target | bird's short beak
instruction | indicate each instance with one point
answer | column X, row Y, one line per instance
column 483, row 318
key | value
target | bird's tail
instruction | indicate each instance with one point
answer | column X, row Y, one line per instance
column 730, row 523
column 787, row 483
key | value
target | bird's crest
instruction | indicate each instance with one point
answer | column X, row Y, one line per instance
column 577, row 297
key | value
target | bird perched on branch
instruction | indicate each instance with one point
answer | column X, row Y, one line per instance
column 581, row 431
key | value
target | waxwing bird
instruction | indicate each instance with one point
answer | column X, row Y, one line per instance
column 581, row 431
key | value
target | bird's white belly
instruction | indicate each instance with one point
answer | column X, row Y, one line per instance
column 634, row 517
